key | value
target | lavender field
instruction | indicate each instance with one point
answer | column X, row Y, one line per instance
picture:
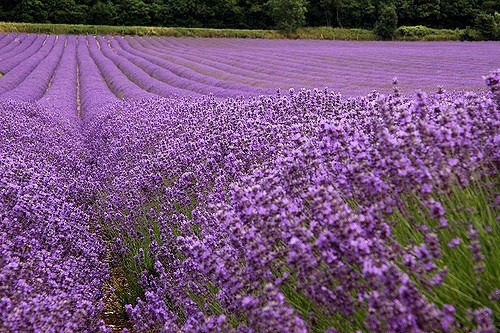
column 231, row 185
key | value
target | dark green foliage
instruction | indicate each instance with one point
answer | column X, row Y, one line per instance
column 30, row 11
column 342, row 13
column 487, row 26
column 458, row 13
column 133, row 12
column 65, row 11
column 261, row 14
column 253, row 14
column 428, row 11
column 420, row 32
column 387, row 23
column 469, row 34
column 102, row 12
column 288, row 14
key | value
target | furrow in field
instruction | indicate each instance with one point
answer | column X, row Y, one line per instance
column 284, row 75
column 79, row 113
column 346, row 69
column 299, row 61
column 51, row 80
column 222, row 77
column 258, row 75
column 20, row 52
column 10, row 41
column 172, row 64
column 248, row 63
column 95, row 91
column 36, row 83
column 61, row 94
column 252, row 53
column 163, row 73
column 22, row 70
column 195, row 58
column 164, row 79
column 118, row 82
column 202, row 63
column 135, row 73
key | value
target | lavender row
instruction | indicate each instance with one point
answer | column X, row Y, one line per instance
column 199, row 66
column 237, row 215
column 94, row 89
column 135, row 73
column 160, row 70
column 24, row 51
column 386, row 59
column 118, row 82
column 262, row 64
column 169, row 62
column 51, row 265
column 27, row 65
column 11, row 41
column 174, row 83
column 16, row 44
column 61, row 93
column 236, row 67
column 37, row 82
column 252, row 68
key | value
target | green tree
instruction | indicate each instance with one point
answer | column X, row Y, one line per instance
column 487, row 26
column 29, row 11
column 254, row 14
column 428, row 11
column 387, row 22
column 358, row 13
column 491, row 6
column 332, row 7
column 160, row 13
column 103, row 13
column 341, row 13
column 288, row 14
column 217, row 13
column 457, row 13
column 133, row 12
column 65, row 11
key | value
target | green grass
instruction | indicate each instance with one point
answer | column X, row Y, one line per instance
column 328, row 33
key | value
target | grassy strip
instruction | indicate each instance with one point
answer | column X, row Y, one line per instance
column 329, row 33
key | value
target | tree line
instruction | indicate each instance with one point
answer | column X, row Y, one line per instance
column 381, row 15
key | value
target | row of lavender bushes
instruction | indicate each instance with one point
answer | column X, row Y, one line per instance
column 292, row 213
column 303, row 212
column 51, row 261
